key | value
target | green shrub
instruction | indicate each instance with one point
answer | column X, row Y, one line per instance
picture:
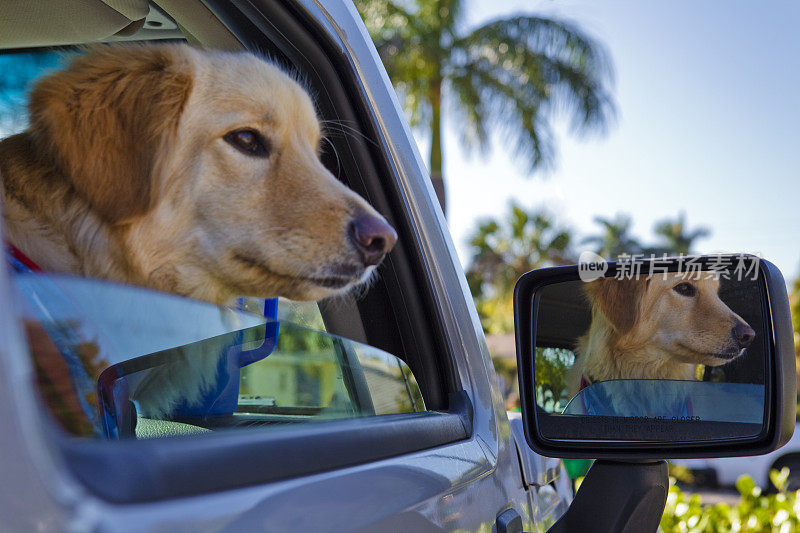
column 755, row 511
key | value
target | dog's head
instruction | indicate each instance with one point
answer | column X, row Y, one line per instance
column 677, row 316
column 207, row 165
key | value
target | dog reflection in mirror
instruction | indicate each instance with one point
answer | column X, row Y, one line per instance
column 657, row 328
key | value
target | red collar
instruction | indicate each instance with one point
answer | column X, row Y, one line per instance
column 585, row 382
column 21, row 257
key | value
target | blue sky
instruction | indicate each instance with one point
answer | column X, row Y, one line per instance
column 708, row 123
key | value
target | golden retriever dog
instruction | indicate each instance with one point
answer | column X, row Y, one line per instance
column 184, row 170
column 657, row 328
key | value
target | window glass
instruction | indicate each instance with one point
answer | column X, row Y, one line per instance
column 115, row 361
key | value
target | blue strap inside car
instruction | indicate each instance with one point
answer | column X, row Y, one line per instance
column 223, row 397
column 271, row 335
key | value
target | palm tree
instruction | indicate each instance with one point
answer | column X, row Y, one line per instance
column 677, row 239
column 615, row 238
column 507, row 76
column 503, row 251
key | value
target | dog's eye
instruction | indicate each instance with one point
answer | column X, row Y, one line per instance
column 249, row 142
column 685, row 289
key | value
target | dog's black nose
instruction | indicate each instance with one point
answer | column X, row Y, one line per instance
column 743, row 334
column 372, row 237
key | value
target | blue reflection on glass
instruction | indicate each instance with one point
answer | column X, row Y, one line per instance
column 671, row 400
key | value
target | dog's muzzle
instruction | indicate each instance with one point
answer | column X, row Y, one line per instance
column 743, row 334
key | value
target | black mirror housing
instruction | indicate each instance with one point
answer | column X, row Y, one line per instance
column 740, row 399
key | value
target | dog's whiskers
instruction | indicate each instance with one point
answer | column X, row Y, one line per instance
column 335, row 153
column 345, row 130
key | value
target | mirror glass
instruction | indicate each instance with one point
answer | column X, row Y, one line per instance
column 654, row 356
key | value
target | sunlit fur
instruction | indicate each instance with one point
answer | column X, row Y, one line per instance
column 124, row 175
column 643, row 329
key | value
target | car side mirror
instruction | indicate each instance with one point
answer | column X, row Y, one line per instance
column 649, row 359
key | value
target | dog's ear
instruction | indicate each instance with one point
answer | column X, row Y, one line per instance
column 619, row 300
column 106, row 118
